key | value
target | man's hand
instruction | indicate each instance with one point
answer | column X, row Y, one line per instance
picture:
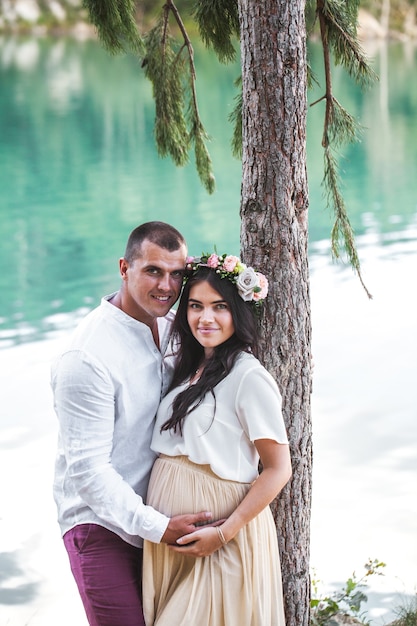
column 181, row 525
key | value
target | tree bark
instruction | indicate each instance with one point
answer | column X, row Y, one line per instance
column 274, row 236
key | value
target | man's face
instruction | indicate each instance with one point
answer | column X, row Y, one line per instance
column 152, row 282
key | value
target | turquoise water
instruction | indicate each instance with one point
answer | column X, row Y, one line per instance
column 79, row 170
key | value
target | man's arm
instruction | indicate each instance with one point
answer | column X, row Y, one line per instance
column 84, row 403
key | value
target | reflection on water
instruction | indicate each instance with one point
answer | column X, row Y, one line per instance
column 12, row 567
column 365, row 422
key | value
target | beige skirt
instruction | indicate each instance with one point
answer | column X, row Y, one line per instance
column 239, row 585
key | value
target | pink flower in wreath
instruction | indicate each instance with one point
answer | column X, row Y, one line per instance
column 230, row 263
column 213, row 261
column 263, row 286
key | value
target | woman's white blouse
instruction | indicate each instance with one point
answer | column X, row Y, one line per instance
column 221, row 432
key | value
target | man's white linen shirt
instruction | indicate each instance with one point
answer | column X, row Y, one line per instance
column 107, row 387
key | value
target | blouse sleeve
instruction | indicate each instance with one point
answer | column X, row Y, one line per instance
column 259, row 406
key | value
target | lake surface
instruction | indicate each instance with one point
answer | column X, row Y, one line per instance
column 78, row 171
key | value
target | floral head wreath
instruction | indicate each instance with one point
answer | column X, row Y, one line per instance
column 252, row 286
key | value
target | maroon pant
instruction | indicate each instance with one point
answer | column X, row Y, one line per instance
column 108, row 573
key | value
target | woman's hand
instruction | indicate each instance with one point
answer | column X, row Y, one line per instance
column 202, row 542
column 276, row 462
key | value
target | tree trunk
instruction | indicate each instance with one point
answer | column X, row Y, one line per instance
column 274, row 234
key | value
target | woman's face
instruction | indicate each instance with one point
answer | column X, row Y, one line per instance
column 209, row 317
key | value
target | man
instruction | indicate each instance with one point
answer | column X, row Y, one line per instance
column 107, row 386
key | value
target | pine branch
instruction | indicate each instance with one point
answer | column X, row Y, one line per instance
column 116, row 24
column 342, row 126
column 202, row 158
column 339, row 127
column 173, row 85
column 340, row 19
column 342, row 230
column 218, row 23
column 198, row 135
column 165, row 69
column 235, row 118
column 170, row 6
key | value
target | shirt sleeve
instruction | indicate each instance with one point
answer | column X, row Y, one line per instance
column 84, row 403
column 259, row 406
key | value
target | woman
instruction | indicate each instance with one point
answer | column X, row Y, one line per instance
column 221, row 415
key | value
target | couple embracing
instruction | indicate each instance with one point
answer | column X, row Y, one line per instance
column 166, row 521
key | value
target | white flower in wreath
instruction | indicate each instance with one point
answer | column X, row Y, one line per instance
column 246, row 282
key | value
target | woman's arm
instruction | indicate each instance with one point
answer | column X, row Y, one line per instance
column 276, row 463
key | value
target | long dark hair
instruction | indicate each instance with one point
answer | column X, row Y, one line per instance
column 191, row 353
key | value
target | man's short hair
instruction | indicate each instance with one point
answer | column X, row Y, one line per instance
column 162, row 234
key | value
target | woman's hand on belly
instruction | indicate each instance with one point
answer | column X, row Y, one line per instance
column 202, row 542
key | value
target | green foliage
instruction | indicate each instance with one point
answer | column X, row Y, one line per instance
column 177, row 120
column 348, row 601
column 407, row 614
column 310, row 13
column 338, row 21
column 235, row 118
column 342, row 127
column 116, row 24
column 218, row 24
column 341, row 23
column 165, row 68
column 202, row 158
